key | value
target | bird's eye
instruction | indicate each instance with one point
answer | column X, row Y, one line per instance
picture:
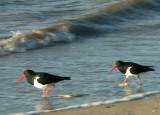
column 26, row 72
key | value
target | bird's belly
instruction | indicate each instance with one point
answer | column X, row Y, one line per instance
column 39, row 85
column 128, row 74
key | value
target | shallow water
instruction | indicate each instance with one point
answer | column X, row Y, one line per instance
column 84, row 49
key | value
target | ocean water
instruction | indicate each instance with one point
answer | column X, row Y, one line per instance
column 77, row 38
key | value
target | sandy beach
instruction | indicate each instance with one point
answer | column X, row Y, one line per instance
column 136, row 107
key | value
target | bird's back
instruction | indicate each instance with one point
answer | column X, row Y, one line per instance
column 46, row 78
column 137, row 68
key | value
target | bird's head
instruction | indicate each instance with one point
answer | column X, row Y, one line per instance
column 118, row 64
column 26, row 73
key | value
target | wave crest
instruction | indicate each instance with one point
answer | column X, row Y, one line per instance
column 21, row 42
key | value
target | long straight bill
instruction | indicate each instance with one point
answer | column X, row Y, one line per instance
column 113, row 68
column 21, row 78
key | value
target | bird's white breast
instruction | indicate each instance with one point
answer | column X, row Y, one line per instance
column 128, row 73
column 39, row 85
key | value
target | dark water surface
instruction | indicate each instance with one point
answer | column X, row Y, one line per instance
column 78, row 39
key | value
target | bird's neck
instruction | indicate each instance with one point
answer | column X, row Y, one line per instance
column 122, row 69
column 30, row 79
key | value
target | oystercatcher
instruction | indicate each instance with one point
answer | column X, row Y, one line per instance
column 132, row 69
column 42, row 80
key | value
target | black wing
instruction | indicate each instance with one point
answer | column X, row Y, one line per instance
column 137, row 68
column 46, row 78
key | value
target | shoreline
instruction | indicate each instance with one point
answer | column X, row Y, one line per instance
column 149, row 106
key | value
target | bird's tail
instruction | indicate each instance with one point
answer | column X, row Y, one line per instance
column 150, row 68
column 66, row 78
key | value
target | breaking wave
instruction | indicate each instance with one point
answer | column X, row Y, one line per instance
column 104, row 21
column 20, row 42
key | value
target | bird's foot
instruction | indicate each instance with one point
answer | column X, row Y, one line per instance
column 123, row 84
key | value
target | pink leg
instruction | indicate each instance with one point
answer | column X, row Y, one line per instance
column 47, row 92
column 125, row 80
column 140, row 83
column 44, row 92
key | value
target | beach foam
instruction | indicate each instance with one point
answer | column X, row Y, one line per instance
column 127, row 98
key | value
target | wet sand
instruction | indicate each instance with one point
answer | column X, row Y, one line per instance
column 136, row 107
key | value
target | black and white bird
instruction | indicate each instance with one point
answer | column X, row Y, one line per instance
column 132, row 69
column 42, row 80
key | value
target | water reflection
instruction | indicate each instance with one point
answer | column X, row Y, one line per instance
column 46, row 105
column 129, row 91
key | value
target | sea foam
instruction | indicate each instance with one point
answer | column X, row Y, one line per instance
column 127, row 98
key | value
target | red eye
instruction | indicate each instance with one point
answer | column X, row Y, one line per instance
column 26, row 72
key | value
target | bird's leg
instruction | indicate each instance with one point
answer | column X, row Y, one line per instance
column 44, row 92
column 47, row 92
column 125, row 80
column 140, row 83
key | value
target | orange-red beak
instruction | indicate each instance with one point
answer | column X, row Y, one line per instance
column 21, row 78
column 113, row 68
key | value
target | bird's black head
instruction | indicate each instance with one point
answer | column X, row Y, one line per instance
column 27, row 74
column 119, row 63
